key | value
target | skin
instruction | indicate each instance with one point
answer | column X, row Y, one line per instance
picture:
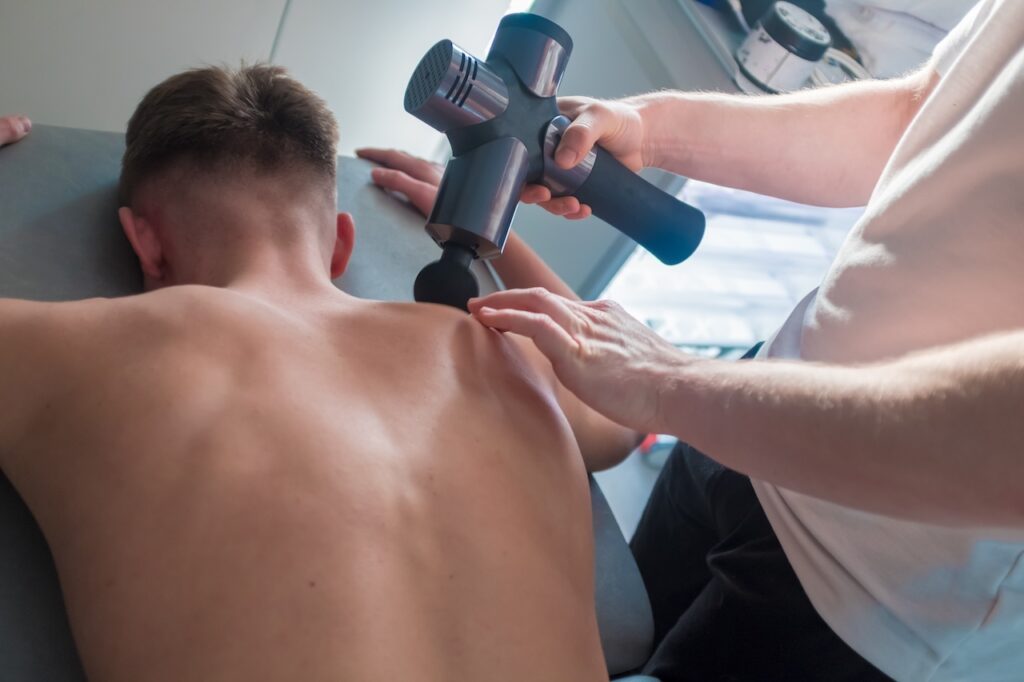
column 749, row 142
column 930, row 437
column 246, row 474
column 934, row 436
column 14, row 128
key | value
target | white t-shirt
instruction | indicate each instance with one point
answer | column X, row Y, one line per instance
column 938, row 257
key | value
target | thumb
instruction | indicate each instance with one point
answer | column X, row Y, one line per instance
column 571, row 106
column 581, row 136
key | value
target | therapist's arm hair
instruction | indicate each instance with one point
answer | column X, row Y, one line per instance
column 937, row 436
column 519, row 266
column 824, row 146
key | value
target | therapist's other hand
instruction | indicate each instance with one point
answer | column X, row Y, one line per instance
column 13, row 128
column 406, row 174
column 611, row 361
column 614, row 124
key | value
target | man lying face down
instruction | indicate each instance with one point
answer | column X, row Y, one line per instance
column 247, row 474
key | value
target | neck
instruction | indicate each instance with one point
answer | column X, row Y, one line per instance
column 291, row 274
column 279, row 276
column 273, row 247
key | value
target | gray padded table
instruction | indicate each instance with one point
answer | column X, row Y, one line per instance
column 60, row 240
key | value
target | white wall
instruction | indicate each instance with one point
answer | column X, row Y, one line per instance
column 86, row 63
column 359, row 57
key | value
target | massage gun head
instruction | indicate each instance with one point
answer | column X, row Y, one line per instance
column 451, row 89
column 448, row 281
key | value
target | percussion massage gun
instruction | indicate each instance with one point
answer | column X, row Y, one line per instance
column 503, row 124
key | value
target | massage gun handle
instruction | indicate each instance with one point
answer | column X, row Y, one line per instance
column 662, row 224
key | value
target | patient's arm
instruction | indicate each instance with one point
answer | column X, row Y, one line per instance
column 22, row 340
column 519, row 266
column 35, row 341
column 602, row 442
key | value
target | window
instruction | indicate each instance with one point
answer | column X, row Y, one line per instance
column 759, row 257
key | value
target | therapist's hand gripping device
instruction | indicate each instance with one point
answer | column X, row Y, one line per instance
column 503, row 124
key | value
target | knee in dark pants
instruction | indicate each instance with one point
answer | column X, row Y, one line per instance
column 727, row 603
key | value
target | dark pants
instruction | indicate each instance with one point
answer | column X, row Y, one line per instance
column 727, row 604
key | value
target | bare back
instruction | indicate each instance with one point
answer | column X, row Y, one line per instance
column 233, row 491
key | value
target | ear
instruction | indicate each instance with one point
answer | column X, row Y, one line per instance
column 146, row 244
column 344, row 243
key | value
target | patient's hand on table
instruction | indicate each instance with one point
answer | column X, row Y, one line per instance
column 13, row 128
column 412, row 176
column 418, row 180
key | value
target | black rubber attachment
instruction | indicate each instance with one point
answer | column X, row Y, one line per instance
column 662, row 224
column 448, row 281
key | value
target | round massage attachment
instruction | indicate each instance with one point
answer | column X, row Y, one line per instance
column 448, row 281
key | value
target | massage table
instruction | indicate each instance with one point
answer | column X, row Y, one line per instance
column 60, row 240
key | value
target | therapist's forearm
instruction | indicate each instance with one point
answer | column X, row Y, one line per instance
column 936, row 437
column 519, row 267
column 826, row 146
